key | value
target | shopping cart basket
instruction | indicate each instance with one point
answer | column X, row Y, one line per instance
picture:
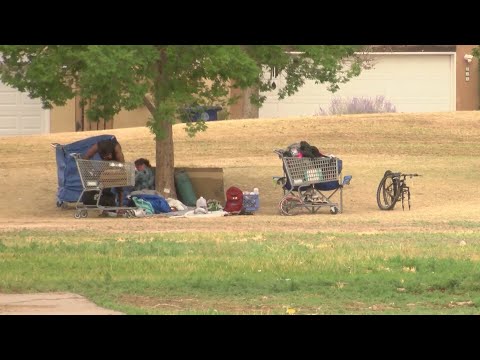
column 306, row 182
column 98, row 175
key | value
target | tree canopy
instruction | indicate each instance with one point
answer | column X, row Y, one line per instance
column 168, row 78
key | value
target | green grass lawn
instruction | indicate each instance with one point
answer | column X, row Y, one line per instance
column 251, row 273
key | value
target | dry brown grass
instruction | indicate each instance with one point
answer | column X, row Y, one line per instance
column 443, row 147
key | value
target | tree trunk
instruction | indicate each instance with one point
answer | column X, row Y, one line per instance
column 165, row 165
column 164, row 175
column 250, row 111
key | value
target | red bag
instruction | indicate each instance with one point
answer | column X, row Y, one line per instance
column 234, row 202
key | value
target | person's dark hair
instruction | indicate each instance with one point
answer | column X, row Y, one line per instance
column 106, row 147
column 142, row 161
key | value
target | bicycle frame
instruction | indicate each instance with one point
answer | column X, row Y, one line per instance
column 399, row 191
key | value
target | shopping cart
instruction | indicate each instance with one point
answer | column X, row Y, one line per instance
column 98, row 175
column 306, row 182
column 69, row 182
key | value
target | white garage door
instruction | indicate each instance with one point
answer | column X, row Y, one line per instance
column 19, row 114
column 411, row 82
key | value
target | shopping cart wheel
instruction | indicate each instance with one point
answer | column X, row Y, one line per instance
column 290, row 205
column 334, row 210
column 84, row 213
column 77, row 214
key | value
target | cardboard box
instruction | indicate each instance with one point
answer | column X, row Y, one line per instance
column 206, row 182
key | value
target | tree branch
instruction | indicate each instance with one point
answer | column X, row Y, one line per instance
column 149, row 105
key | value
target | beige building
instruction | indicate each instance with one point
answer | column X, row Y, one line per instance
column 416, row 78
column 413, row 78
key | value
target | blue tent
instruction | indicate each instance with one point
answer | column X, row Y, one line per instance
column 69, row 182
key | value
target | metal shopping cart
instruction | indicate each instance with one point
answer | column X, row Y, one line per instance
column 306, row 182
column 98, row 175
column 69, row 182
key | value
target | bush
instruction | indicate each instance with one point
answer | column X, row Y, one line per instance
column 358, row 105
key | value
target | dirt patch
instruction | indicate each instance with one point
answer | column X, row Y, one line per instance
column 184, row 305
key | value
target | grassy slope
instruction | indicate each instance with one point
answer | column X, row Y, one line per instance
column 444, row 147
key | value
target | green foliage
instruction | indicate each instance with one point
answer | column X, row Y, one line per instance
column 108, row 78
column 115, row 77
column 168, row 78
column 476, row 52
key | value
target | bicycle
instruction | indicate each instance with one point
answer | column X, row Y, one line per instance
column 393, row 188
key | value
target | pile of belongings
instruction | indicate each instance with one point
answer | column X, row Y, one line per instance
column 304, row 149
column 152, row 202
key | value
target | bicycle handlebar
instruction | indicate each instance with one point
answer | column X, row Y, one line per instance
column 399, row 174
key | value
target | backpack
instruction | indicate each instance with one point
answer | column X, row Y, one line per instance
column 234, row 202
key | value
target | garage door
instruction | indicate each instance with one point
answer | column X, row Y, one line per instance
column 19, row 114
column 413, row 83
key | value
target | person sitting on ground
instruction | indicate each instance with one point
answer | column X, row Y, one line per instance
column 144, row 176
column 108, row 150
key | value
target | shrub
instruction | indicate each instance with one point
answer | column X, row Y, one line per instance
column 358, row 105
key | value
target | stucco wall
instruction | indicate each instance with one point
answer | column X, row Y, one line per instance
column 467, row 91
column 62, row 118
column 243, row 108
column 125, row 119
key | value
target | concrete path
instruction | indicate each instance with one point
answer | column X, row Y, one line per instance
column 50, row 304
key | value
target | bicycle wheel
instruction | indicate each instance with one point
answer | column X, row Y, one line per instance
column 387, row 192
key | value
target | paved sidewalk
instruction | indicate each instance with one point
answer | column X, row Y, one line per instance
column 50, row 304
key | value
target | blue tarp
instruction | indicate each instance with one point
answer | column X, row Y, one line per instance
column 159, row 204
column 69, row 182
